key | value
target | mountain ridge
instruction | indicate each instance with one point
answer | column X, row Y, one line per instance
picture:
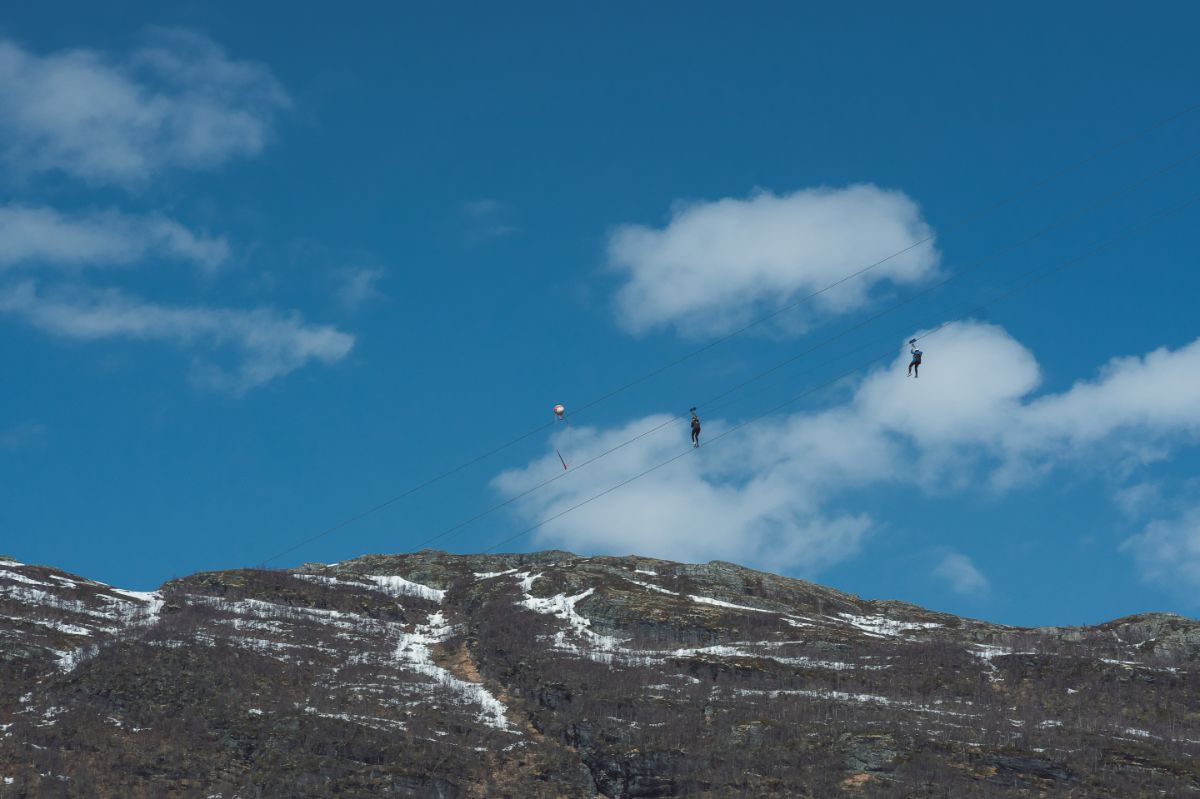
column 552, row 674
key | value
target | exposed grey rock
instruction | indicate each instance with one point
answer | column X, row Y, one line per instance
column 870, row 752
column 1016, row 771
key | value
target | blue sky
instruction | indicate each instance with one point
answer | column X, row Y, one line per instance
column 261, row 269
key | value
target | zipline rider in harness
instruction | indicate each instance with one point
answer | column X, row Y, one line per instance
column 695, row 429
column 914, row 366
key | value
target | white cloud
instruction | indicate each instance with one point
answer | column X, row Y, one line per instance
column 974, row 402
column 177, row 102
column 266, row 344
column 776, row 492
column 958, row 570
column 38, row 235
column 484, row 208
column 1136, row 500
column 358, row 286
column 25, row 434
column 695, row 509
column 717, row 265
column 489, row 218
column 1167, row 552
column 1158, row 394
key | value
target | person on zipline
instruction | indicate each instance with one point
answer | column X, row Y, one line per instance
column 914, row 366
column 695, row 429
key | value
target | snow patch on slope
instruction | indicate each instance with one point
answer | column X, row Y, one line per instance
column 140, row 615
column 62, row 627
column 392, row 585
column 413, row 651
column 858, row 698
column 410, row 651
column 490, row 575
column 69, row 659
column 608, row 649
column 988, row 651
column 396, row 586
column 130, row 609
column 704, row 600
column 562, row 607
column 794, row 621
column 36, row 596
column 527, row 580
column 20, row 578
column 101, row 610
column 652, row 587
column 883, row 627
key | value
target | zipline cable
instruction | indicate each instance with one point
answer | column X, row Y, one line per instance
column 961, row 222
column 1127, row 234
column 955, row 225
column 709, row 402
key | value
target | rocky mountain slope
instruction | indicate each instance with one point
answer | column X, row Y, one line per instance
column 552, row 675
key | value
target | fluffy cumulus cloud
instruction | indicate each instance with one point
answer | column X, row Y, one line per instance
column 40, row 236
column 179, row 101
column 716, row 265
column 961, row 574
column 978, row 405
column 775, row 492
column 265, row 344
column 1167, row 552
column 694, row 509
